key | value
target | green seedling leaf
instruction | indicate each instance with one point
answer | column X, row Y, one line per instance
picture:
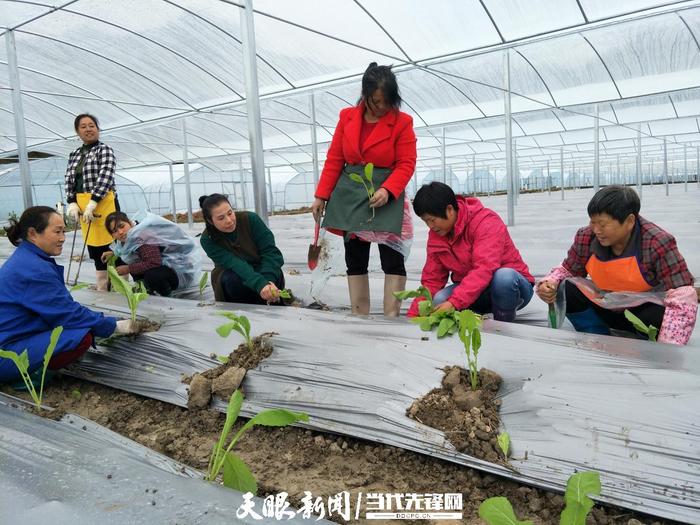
column 223, row 358
column 369, row 172
column 75, row 393
column 53, row 341
column 112, row 261
column 225, row 329
column 78, row 286
column 446, row 323
column 638, row 324
column 121, row 285
column 203, row 282
column 425, row 324
column 504, row 443
column 498, row 511
column 653, row 332
column 424, row 308
column 237, row 475
column 285, row 294
column 578, row 504
column 355, row 177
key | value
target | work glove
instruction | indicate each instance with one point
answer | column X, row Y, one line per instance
column 126, row 327
column 74, row 211
column 89, row 213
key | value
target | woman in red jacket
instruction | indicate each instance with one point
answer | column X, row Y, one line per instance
column 367, row 203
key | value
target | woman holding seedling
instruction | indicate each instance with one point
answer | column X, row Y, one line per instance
column 91, row 191
column 247, row 264
column 634, row 268
column 370, row 161
column 34, row 299
column 155, row 251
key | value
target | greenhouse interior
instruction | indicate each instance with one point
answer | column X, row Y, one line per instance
column 531, row 112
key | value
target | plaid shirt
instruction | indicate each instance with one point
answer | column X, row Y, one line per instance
column 659, row 259
column 98, row 172
column 150, row 258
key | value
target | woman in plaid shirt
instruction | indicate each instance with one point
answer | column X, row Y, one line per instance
column 90, row 190
column 633, row 265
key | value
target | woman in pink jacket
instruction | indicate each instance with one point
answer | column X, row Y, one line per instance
column 471, row 243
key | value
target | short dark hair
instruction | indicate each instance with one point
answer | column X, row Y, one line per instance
column 36, row 217
column 433, row 199
column 617, row 201
column 113, row 219
column 382, row 78
column 80, row 117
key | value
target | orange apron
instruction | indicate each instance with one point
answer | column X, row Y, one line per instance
column 617, row 275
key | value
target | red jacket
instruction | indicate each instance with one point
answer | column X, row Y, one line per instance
column 392, row 144
column 478, row 246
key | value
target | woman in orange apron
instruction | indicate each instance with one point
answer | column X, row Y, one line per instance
column 91, row 192
column 633, row 265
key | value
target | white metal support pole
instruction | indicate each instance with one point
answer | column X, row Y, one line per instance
column 509, row 138
column 685, row 166
column 186, row 166
column 252, row 98
column 596, row 151
column 549, row 180
column 639, row 161
column 619, row 176
column 172, row 193
column 314, row 144
column 666, row 166
column 18, row 112
column 516, row 173
column 474, row 177
column 444, row 157
column 243, row 182
column 561, row 169
column 269, row 185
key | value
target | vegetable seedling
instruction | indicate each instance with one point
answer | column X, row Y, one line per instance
column 239, row 323
column 285, row 294
column 237, row 475
column 369, row 185
column 499, row 511
column 21, row 361
column 469, row 334
column 504, row 443
column 133, row 298
column 202, row 285
column 651, row 331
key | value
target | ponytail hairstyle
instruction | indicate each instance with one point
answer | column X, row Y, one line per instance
column 207, row 203
column 383, row 78
column 36, row 217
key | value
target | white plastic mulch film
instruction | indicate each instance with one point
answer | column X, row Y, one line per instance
column 142, row 67
column 75, row 472
column 625, row 408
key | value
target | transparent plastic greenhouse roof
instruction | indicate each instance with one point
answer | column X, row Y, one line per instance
column 144, row 67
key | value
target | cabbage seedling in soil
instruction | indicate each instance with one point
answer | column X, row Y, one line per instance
column 237, row 475
column 369, row 185
column 470, row 336
column 239, row 323
column 504, row 443
column 121, row 285
column 21, row 361
column 202, row 285
column 499, row 511
column 651, row 331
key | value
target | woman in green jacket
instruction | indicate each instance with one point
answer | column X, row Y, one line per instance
column 247, row 264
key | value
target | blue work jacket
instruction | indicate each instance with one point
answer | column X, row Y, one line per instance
column 33, row 301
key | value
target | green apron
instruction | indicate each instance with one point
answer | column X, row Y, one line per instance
column 348, row 208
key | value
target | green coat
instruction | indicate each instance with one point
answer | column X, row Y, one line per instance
column 249, row 251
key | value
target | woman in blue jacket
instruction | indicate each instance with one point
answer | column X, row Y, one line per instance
column 34, row 299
